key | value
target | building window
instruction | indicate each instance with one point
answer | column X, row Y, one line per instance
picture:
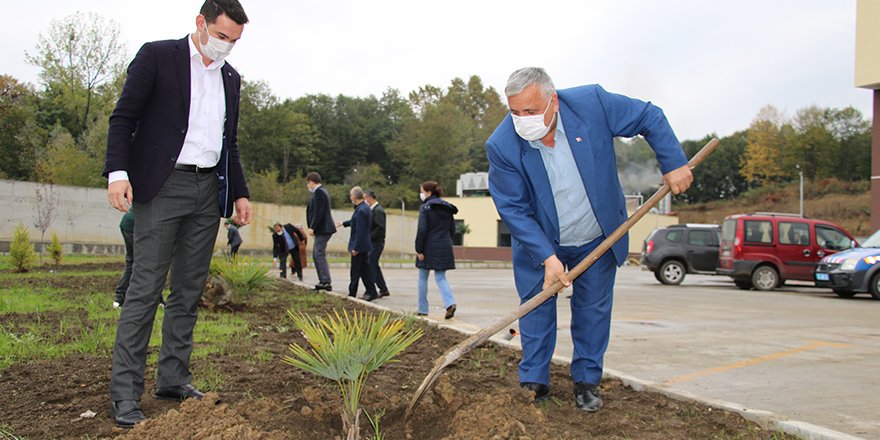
column 503, row 235
column 458, row 237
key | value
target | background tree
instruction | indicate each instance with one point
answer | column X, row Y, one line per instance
column 719, row 176
column 78, row 54
column 17, row 111
column 765, row 143
column 46, row 211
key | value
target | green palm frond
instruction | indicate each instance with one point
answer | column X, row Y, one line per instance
column 347, row 348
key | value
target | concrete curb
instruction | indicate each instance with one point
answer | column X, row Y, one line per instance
column 765, row 419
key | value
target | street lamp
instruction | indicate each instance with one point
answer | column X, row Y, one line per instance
column 801, row 174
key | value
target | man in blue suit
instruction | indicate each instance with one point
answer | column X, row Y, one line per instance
column 172, row 153
column 360, row 246
column 553, row 178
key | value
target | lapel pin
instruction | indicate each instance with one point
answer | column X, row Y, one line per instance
column 577, row 139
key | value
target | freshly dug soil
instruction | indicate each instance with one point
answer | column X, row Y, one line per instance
column 260, row 397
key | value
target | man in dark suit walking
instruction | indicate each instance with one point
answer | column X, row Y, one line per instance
column 377, row 239
column 172, row 153
column 359, row 245
column 285, row 241
column 319, row 219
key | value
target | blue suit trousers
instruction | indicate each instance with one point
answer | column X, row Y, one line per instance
column 591, row 301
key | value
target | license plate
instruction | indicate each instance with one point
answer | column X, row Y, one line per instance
column 822, row 277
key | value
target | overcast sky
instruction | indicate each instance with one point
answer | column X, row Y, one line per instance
column 711, row 65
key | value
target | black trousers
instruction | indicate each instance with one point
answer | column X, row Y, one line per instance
column 375, row 270
column 297, row 263
column 360, row 270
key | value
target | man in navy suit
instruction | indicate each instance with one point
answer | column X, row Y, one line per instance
column 553, row 178
column 360, row 245
column 319, row 219
column 172, row 153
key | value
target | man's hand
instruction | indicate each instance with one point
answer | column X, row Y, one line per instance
column 311, row 232
column 554, row 270
column 354, row 253
column 421, row 257
column 679, row 179
column 242, row 211
column 118, row 192
column 338, row 224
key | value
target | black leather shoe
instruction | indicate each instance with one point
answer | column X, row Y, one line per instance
column 369, row 297
column 126, row 413
column 384, row 294
column 450, row 311
column 179, row 393
column 586, row 397
column 542, row 392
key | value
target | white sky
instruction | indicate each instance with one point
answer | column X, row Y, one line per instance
column 711, row 65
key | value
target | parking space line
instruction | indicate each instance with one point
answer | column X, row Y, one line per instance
column 753, row 361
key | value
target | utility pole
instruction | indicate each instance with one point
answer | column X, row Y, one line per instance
column 801, row 174
column 402, row 226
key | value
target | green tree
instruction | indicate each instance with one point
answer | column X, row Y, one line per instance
column 17, row 113
column 434, row 145
column 718, row 177
column 77, row 56
column 65, row 163
column 21, row 251
column 56, row 251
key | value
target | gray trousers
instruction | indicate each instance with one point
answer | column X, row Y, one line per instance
column 319, row 257
column 176, row 230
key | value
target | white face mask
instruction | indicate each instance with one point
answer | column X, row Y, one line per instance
column 532, row 128
column 422, row 196
column 216, row 49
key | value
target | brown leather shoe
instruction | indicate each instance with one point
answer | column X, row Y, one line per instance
column 450, row 311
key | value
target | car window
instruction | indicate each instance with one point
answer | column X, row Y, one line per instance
column 796, row 233
column 832, row 238
column 728, row 230
column 700, row 237
column 758, row 231
column 673, row 236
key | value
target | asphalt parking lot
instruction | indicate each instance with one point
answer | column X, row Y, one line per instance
column 799, row 352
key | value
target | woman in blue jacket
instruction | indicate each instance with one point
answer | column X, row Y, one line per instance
column 434, row 245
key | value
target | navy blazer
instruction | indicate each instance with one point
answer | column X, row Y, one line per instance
column 148, row 125
column 360, row 222
column 318, row 215
column 520, row 187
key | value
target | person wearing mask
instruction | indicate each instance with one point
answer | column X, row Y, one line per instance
column 434, row 245
column 172, row 153
column 319, row 220
column 553, row 179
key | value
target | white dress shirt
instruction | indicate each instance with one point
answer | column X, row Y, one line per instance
column 207, row 114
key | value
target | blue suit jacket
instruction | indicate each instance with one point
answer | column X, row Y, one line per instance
column 521, row 189
column 360, row 222
column 149, row 124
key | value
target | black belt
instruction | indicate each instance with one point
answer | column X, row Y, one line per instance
column 194, row 168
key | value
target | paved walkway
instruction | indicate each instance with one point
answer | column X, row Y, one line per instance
column 800, row 353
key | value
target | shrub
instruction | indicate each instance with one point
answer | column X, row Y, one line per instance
column 243, row 276
column 21, row 251
column 55, row 249
column 346, row 349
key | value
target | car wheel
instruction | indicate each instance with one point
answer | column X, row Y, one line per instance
column 743, row 284
column 672, row 272
column 657, row 275
column 875, row 286
column 844, row 293
column 765, row 278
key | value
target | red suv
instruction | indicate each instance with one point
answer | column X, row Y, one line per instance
column 762, row 249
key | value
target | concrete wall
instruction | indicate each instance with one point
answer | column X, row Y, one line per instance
column 867, row 72
column 85, row 222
